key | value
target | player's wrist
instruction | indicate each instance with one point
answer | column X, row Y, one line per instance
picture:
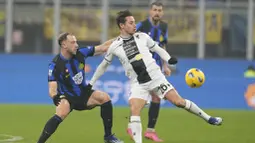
column 55, row 96
column 172, row 61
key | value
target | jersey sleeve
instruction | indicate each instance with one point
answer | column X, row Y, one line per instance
column 109, row 55
column 139, row 26
column 87, row 51
column 51, row 72
column 150, row 42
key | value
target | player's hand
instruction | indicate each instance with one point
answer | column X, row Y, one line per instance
column 167, row 71
column 89, row 86
column 57, row 98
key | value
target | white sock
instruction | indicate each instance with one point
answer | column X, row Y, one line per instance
column 193, row 108
column 129, row 125
column 136, row 127
column 150, row 130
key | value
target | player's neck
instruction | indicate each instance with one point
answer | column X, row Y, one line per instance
column 125, row 35
column 65, row 54
column 153, row 22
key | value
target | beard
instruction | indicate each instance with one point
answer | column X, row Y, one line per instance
column 156, row 18
column 72, row 52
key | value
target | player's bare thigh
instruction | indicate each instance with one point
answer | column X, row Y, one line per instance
column 166, row 90
column 97, row 98
column 154, row 98
column 63, row 109
column 138, row 98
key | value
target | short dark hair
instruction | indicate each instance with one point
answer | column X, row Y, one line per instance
column 156, row 3
column 62, row 37
column 121, row 17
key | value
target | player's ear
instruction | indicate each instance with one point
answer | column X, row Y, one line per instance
column 122, row 25
column 64, row 44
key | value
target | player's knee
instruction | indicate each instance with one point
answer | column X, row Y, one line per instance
column 105, row 97
column 179, row 103
column 155, row 99
column 62, row 113
column 63, row 109
column 136, row 107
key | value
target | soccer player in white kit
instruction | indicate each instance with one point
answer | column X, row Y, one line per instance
column 133, row 50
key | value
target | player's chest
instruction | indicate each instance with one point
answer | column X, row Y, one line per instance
column 74, row 72
column 132, row 45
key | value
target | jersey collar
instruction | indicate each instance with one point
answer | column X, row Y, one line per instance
column 126, row 37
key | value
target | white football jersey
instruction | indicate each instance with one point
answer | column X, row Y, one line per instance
column 135, row 56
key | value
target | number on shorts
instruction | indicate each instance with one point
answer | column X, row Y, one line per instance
column 163, row 87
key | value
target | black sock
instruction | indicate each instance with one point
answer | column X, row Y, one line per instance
column 49, row 128
column 106, row 114
column 153, row 114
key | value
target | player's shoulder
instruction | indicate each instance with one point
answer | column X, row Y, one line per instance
column 85, row 49
column 116, row 43
column 143, row 25
column 163, row 24
column 144, row 22
column 140, row 34
column 54, row 61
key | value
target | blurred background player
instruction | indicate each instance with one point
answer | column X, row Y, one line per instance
column 158, row 31
column 68, row 88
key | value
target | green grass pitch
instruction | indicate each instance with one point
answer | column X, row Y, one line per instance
column 174, row 125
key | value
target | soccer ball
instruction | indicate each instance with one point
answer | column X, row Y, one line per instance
column 194, row 78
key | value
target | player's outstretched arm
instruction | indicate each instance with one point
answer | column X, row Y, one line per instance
column 100, row 49
column 99, row 71
column 102, row 67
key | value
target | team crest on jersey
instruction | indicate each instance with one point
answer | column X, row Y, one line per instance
column 81, row 66
column 138, row 57
column 78, row 78
column 161, row 38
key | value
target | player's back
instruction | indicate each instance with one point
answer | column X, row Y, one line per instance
column 135, row 56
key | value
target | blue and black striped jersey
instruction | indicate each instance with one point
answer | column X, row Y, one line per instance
column 69, row 73
column 158, row 33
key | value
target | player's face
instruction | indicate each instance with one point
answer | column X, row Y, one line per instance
column 71, row 44
column 156, row 12
column 129, row 26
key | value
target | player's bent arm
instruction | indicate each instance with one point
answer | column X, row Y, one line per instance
column 102, row 67
column 100, row 49
column 99, row 71
column 53, row 88
column 163, row 54
column 164, row 62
